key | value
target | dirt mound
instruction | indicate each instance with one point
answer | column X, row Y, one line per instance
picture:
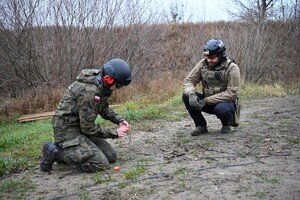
column 260, row 159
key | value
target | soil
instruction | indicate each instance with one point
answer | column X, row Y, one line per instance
column 260, row 159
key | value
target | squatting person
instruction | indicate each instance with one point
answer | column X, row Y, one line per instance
column 220, row 80
column 79, row 142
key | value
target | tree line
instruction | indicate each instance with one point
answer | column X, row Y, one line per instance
column 48, row 42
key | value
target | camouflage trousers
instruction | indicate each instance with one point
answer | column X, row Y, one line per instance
column 89, row 154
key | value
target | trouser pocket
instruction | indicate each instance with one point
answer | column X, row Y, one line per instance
column 77, row 150
column 236, row 117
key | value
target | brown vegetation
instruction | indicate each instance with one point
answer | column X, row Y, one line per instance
column 39, row 60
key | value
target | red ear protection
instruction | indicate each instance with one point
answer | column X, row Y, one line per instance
column 108, row 80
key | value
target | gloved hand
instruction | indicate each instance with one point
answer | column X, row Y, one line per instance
column 122, row 130
column 202, row 103
column 195, row 102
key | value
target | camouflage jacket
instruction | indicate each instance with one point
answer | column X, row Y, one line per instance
column 79, row 108
column 219, row 84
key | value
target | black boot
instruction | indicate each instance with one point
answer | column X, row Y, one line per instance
column 225, row 129
column 199, row 131
column 51, row 153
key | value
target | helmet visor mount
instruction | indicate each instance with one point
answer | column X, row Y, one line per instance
column 206, row 52
column 215, row 47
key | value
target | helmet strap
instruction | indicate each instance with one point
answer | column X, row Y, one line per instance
column 98, row 79
column 108, row 80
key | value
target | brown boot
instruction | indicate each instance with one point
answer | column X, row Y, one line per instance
column 199, row 130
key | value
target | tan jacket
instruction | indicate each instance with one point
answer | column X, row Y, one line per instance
column 232, row 85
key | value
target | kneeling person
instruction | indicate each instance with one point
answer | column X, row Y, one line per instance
column 79, row 141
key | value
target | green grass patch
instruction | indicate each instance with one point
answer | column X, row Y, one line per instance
column 28, row 135
column 175, row 101
column 256, row 138
column 13, row 164
column 148, row 112
column 207, row 144
column 292, row 88
column 182, row 138
column 181, row 171
column 258, row 116
column 135, row 172
column 84, row 194
column 20, row 144
column 135, row 113
column 100, row 178
column 16, row 189
column 287, row 122
column 260, row 194
column 294, row 140
column 273, row 180
column 139, row 110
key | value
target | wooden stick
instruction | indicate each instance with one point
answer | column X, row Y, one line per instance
column 43, row 115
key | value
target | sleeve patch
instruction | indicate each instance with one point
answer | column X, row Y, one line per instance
column 97, row 98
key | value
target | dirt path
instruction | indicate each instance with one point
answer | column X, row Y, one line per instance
column 259, row 160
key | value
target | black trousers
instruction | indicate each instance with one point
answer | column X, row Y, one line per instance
column 224, row 111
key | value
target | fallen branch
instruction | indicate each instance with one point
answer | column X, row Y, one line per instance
column 35, row 117
column 43, row 115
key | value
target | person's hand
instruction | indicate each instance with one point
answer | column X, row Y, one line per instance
column 195, row 102
column 122, row 130
column 124, row 123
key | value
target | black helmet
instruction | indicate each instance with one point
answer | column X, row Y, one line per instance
column 215, row 47
column 118, row 69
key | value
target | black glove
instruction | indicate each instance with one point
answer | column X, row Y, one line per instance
column 195, row 102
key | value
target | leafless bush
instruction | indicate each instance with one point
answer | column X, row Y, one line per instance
column 45, row 44
column 266, row 39
column 39, row 99
column 51, row 41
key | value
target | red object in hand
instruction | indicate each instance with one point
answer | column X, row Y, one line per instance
column 117, row 169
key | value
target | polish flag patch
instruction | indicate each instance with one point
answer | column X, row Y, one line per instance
column 97, row 98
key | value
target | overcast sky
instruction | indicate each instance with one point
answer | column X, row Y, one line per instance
column 197, row 10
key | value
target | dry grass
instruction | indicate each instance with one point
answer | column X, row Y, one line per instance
column 249, row 90
column 46, row 99
column 153, row 90
column 149, row 91
column 34, row 101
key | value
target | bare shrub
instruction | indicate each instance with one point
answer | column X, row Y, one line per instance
column 35, row 100
column 268, row 37
column 161, row 88
column 45, row 44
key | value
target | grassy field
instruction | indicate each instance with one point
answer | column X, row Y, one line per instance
column 20, row 143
